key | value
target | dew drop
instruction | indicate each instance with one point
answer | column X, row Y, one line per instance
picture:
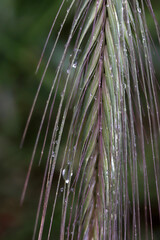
column 138, row 10
column 68, row 70
column 75, row 56
column 67, row 173
column 53, row 154
column 62, row 94
column 100, row 129
column 74, row 65
column 106, row 211
column 67, row 181
column 143, row 39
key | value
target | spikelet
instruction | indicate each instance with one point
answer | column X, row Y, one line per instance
column 109, row 75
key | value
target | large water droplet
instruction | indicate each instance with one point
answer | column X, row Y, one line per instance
column 67, row 173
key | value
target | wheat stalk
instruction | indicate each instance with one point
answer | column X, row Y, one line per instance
column 109, row 75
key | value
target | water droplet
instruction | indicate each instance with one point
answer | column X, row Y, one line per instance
column 53, row 154
column 68, row 70
column 67, row 181
column 67, row 173
column 74, row 56
column 143, row 39
column 138, row 10
column 125, row 49
column 124, row 86
column 100, row 129
column 106, row 211
column 74, row 65
column 62, row 94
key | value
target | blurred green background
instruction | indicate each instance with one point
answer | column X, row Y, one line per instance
column 24, row 26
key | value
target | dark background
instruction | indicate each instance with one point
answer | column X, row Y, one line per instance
column 24, row 26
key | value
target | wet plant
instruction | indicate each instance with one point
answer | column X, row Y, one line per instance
column 109, row 98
